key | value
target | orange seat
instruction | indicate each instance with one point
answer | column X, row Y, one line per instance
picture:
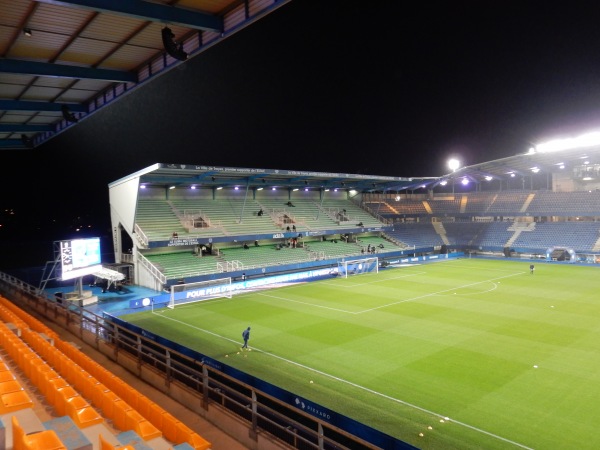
column 62, row 397
column 97, row 394
column 43, row 440
column 10, row 386
column 156, row 415
column 84, row 417
column 198, row 442
column 170, row 427
column 6, row 375
column 136, row 422
column 15, row 401
column 54, row 385
column 109, row 398
column 119, row 416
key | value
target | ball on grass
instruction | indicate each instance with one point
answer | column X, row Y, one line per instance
column 226, row 356
column 535, row 367
column 311, row 381
column 421, row 434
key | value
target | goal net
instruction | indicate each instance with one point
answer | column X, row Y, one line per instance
column 356, row 267
column 199, row 291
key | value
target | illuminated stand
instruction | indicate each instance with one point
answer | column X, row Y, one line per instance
column 78, row 258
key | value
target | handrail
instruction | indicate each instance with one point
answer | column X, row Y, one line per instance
column 191, row 381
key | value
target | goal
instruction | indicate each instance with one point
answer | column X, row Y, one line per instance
column 199, row 291
column 358, row 266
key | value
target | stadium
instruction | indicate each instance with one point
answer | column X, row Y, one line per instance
column 447, row 312
column 336, row 273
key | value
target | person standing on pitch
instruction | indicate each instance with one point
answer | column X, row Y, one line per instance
column 246, row 336
column 531, row 267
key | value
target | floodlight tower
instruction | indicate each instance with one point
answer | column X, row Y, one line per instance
column 453, row 164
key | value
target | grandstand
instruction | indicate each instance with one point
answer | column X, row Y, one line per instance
column 203, row 222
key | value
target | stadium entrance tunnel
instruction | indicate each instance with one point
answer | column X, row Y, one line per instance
column 561, row 254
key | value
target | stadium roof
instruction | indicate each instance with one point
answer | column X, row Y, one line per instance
column 61, row 61
column 581, row 162
column 188, row 175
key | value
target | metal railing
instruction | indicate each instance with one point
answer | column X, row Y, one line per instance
column 191, row 378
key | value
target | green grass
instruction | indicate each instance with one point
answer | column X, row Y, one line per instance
column 404, row 349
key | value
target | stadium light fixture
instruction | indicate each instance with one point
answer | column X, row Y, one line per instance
column 171, row 187
column 259, row 189
column 465, row 181
column 444, row 182
column 219, row 188
column 591, row 139
column 453, row 164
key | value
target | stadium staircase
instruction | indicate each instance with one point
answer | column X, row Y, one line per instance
column 518, row 228
column 439, row 229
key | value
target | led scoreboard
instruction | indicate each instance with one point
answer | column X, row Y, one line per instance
column 80, row 257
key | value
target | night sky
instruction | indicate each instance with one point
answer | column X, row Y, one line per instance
column 396, row 89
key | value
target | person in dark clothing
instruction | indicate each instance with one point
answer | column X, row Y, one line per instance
column 531, row 268
column 246, row 336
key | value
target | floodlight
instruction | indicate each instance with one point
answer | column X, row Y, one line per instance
column 27, row 32
column 453, row 164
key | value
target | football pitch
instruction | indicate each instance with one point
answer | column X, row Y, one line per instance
column 459, row 354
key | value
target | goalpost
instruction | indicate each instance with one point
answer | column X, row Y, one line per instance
column 199, row 291
column 358, row 266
